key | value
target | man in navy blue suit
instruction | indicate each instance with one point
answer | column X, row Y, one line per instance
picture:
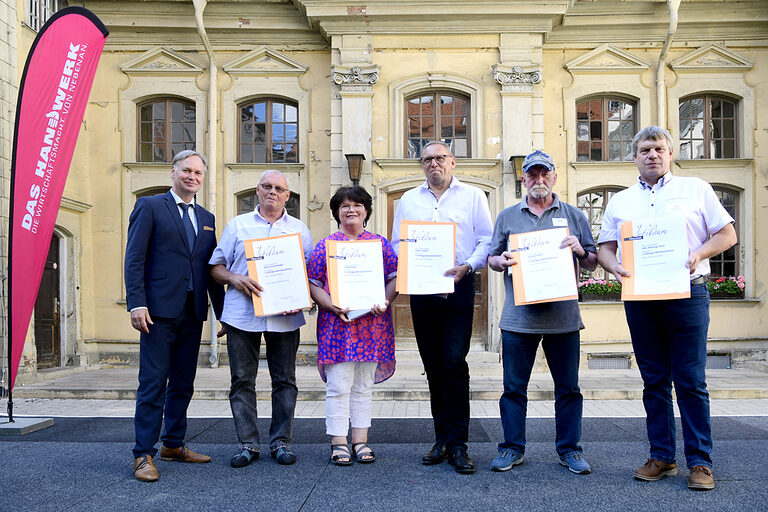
column 170, row 240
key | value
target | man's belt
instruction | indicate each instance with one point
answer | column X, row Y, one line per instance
column 699, row 280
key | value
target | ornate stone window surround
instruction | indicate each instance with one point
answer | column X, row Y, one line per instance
column 431, row 82
column 253, row 80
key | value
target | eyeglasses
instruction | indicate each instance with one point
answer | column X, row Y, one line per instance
column 347, row 207
column 427, row 160
column 268, row 187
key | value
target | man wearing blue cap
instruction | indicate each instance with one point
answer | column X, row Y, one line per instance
column 555, row 324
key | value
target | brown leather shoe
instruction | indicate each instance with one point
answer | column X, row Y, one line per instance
column 144, row 469
column 701, row 479
column 654, row 470
column 182, row 454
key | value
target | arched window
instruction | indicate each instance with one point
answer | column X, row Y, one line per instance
column 604, row 129
column 443, row 116
column 727, row 263
column 268, row 132
column 593, row 202
column 247, row 201
column 166, row 126
column 153, row 191
column 708, row 127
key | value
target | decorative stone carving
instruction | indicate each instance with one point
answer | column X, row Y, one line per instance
column 355, row 76
column 516, row 76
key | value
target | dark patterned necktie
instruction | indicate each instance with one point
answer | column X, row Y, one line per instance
column 188, row 226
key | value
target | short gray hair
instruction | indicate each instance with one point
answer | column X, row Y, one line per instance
column 181, row 155
column 275, row 171
column 651, row 133
column 439, row 143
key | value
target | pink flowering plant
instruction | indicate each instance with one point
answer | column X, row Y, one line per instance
column 599, row 287
column 727, row 285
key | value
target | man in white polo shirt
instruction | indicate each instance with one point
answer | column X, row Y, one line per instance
column 669, row 337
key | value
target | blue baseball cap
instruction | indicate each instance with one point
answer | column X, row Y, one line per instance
column 538, row 158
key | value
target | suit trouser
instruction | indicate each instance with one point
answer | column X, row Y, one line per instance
column 243, row 348
column 443, row 328
column 167, row 367
column 669, row 338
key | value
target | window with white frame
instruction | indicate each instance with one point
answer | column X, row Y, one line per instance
column 593, row 202
column 726, row 263
column 605, row 126
column 165, row 127
column 268, row 131
column 708, row 127
column 38, row 12
column 442, row 116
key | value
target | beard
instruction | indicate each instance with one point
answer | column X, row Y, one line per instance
column 539, row 191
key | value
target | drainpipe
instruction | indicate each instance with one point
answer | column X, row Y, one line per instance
column 673, row 6
column 211, row 150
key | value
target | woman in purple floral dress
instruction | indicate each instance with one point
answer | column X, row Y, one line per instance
column 352, row 355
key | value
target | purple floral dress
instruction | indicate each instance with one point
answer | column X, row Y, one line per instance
column 370, row 337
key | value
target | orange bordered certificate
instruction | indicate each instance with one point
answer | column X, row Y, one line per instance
column 544, row 272
column 427, row 250
column 355, row 273
column 277, row 264
column 654, row 251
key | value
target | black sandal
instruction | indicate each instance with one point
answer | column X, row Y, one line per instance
column 365, row 457
column 339, row 459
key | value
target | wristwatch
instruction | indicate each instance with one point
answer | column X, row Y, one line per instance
column 471, row 270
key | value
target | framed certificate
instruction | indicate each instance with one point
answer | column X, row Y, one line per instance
column 277, row 264
column 355, row 273
column 654, row 251
column 427, row 250
column 544, row 272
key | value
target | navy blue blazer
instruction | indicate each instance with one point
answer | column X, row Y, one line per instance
column 158, row 262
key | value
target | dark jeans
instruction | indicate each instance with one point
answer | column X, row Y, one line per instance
column 562, row 353
column 167, row 367
column 243, row 348
column 670, row 342
column 443, row 328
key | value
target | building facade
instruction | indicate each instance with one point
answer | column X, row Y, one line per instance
column 298, row 85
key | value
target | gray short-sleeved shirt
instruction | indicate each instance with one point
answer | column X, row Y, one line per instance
column 549, row 317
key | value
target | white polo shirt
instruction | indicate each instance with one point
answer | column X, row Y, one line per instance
column 691, row 197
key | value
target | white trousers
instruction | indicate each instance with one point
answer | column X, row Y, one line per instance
column 348, row 396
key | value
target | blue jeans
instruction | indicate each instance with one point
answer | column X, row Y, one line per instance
column 670, row 342
column 243, row 348
column 562, row 353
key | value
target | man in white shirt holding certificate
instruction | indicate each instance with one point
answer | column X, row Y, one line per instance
column 669, row 337
column 244, row 329
column 554, row 324
column 443, row 323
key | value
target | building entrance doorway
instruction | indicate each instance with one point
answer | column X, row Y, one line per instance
column 47, row 309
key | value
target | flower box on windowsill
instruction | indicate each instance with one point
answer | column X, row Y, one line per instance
column 717, row 294
column 726, row 287
column 597, row 297
column 599, row 290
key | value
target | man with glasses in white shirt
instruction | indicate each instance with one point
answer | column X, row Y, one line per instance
column 443, row 323
column 245, row 330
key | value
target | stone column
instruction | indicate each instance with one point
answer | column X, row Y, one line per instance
column 522, row 107
column 353, row 76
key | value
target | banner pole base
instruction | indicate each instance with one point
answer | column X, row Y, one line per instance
column 10, row 406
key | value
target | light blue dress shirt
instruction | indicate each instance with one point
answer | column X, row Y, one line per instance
column 238, row 307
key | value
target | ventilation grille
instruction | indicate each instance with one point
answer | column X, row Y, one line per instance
column 609, row 361
column 719, row 362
